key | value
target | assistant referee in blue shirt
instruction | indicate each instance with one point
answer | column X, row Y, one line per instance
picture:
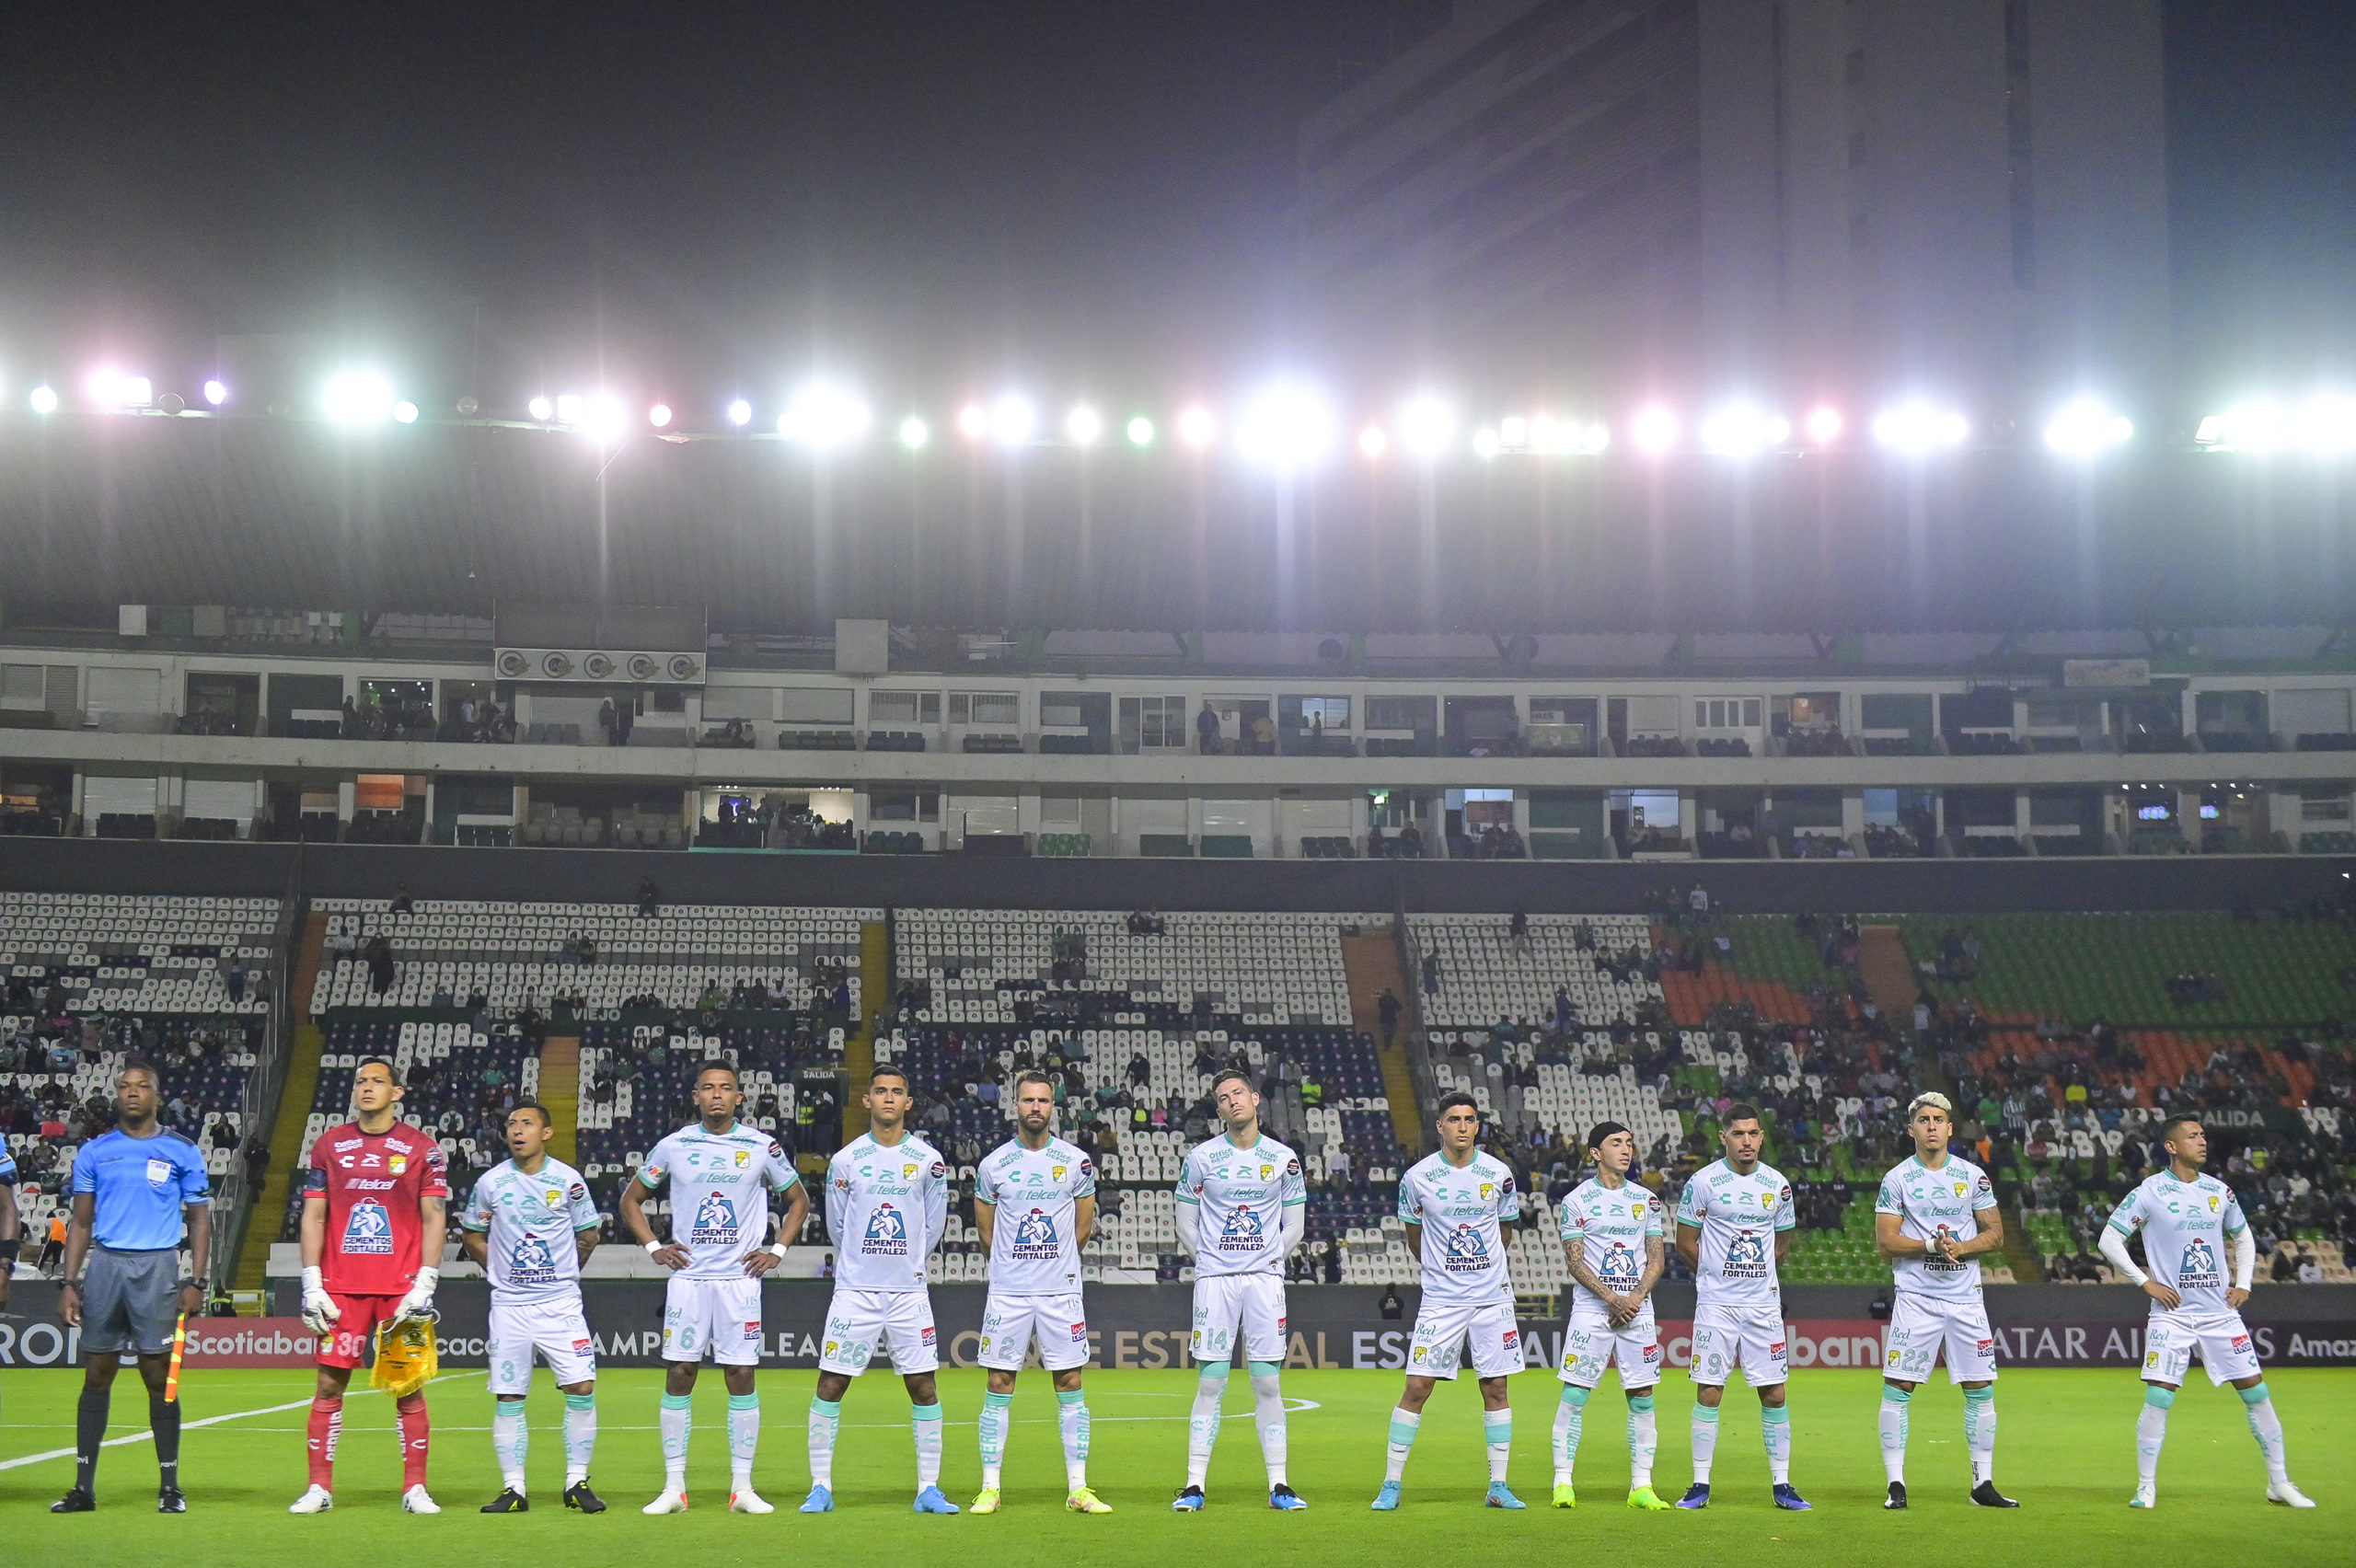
column 135, row 1189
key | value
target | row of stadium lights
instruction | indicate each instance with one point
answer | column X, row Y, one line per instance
column 1290, row 426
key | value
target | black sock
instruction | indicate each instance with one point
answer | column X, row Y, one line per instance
column 164, row 1417
column 90, row 1431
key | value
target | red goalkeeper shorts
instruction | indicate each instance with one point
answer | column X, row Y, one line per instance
column 347, row 1345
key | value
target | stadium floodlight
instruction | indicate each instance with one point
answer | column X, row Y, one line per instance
column 823, row 416
column 973, row 422
column 914, row 432
column 1196, row 426
column 567, row 408
column 1141, row 431
column 44, row 399
column 1373, row 440
column 1654, row 430
column 1484, row 442
column 1426, row 426
column 404, row 412
column 1287, row 426
column 2083, row 428
column 601, row 418
column 1823, row 425
column 740, row 413
column 1513, row 433
column 216, row 391
column 541, row 410
column 1594, row 438
column 111, row 388
column 1743, row 430
column 659, row 416
column 358, row 396
column 1083, row 426
column 1013, row 421
column 1917, row 427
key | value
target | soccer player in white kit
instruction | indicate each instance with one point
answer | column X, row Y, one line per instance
column 719, row 1172
column 1734, row 1225
column 2189, row 1220
column 1937, row 1213
column 1463, row 1196
column 1613, row 1249
column 531, row 1225
column 887, row 1201
column 1242, row 1209
column 1047, row 1190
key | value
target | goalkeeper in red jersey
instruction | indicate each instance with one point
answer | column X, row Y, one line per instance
column 375, row 1207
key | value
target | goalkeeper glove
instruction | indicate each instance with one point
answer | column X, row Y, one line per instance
column 320, row 1310
column 417, row 1304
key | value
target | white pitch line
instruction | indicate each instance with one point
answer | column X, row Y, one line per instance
column 24, row 1459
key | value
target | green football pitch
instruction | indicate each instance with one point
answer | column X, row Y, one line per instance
column 2065, row 1449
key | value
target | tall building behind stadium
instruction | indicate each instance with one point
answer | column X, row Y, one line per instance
column 1828, row 195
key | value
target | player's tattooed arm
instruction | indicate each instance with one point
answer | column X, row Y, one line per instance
column 1893, row 1244
column 1990, row 1239
column 1656, row 1265
column 1575, row 1261
column 1784, row 1245
column 584, row 1242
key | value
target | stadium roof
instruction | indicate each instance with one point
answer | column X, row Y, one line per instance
column 447, row 519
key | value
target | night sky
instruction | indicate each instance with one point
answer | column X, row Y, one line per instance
column 931, row 196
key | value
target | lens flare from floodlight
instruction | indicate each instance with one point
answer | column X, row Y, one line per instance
column 567, row 408
column 404, row 412
column 914, row 432
column 358, row 396
column 601, row 417
column 1196, row 426
column 1513, row 433
column 1013, row 421
column 659, row 416
column 823, row 416
column 1594, row 438
column 1426, row 426
column 1484, row 442
column 1374, row 442
column 2083, row 428
column 1083, row 426
column 1287, row 426
column 740, row 413
column 1743, row 431
column 1918, row 427
column 216, row 391
column 541, row 410
column 111, row 388
column 973, row 422
column 43, row 399
column 2326, row 424
column 1141, row 431
column 1654, row 430
column 1823, row 425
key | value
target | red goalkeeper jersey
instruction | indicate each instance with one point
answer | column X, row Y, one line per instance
column 373, row 1183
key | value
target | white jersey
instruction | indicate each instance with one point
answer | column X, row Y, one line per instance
column 719, row 1182
column 1930, row 1203
column 1613, row 1226
column 1034, row 1249
column 1738, row 1217
column 2184, row 1227
column 528, row 1223
column 1241, row 1194
column 1460, row 1208
column 886, row 1204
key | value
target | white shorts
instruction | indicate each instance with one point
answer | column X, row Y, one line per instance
column 2221, row 1335
column 1223, row 1303
column 1442, row 1328
column 860, row 1322
column 1920, row 1326
column 552, row 1325
column 1010, row 1322
column 1751, row 1338
column 718, row 1316
column 1591, row 1346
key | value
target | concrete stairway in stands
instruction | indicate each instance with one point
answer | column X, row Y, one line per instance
column 1889, row 972
column 561, row 1093
column 1372, row 962
column 293, row 1107
column 859, row 1046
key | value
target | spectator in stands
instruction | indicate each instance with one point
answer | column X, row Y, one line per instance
column 401, row 904
column 1411, row 843
column 1518, row 931
column 1207, row 731
column 649, row 898
column 1386, row 1008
